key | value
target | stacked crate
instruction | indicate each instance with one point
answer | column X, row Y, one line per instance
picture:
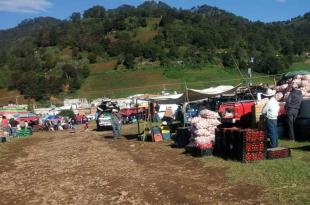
column 226, row 142
column 277, row 153
column 253, row 145
column 240, row 144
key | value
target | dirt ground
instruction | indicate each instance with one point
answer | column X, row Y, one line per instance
column 92, row 168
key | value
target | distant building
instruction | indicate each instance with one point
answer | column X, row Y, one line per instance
column 76, row 103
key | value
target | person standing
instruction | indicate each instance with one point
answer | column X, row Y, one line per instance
column 292, row 106
column 85, row 122
column 116, row 121
column 13, row 124
column 271, row 111
column 73, row 123
column 5, row 124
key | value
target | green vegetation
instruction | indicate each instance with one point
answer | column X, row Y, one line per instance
column 286, row 181
column 67, row 113
column 46, row 57
column 300, row 66
column 105, row 81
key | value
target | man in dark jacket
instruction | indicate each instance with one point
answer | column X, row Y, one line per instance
column 292, row 106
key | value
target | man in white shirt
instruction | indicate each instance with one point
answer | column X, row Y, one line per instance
column 270, row 111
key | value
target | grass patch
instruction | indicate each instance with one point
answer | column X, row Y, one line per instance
column 210, row 75
column 67, row 52
column 102, row 67
column 105, row 81
column 153, row 21
column 145, row 35
column 10, row 95
column 300, row 66
column 286, row 180
column 122, row 83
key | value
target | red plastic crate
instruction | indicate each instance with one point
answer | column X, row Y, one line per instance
column 250, row 135
column 255, row 147
column 253, row 156
column 277, row 153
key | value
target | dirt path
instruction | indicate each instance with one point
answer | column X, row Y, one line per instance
column 90, row 168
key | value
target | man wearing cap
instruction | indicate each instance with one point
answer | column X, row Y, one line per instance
column 116, row 121
column 270, row 111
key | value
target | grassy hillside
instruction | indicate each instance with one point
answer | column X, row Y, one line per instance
column 105, row 81
column 11, row 96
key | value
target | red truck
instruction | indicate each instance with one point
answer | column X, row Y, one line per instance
column 240, row 111
column 236, row 112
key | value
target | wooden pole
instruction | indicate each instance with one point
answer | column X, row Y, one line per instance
column 185, row 103
column 138, row 116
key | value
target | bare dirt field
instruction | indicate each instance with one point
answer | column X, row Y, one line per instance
column 92, row 168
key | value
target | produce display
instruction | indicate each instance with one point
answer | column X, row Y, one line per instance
column 301, row 82
column 240, row 144
column 203, row 129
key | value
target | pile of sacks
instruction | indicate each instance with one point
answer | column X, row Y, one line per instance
column 203, row 128
column 301, row 82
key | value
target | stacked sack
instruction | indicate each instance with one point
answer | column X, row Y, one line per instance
column 301, row 82
column 203, row 129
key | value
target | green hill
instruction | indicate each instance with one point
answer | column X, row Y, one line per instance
column 105, row 81
column 154, row 47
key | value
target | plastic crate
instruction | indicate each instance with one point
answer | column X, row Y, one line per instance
column 23, row 133
column 252, row 156
column 255, row 147
column 157, row 137
column 240, row 144
column 189, row 148
column 250, row 135
column 166, row 135
column 198, row 152
column 182, row 137
column 277, row 153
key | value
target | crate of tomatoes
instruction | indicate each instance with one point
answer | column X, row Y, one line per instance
column 278, row 152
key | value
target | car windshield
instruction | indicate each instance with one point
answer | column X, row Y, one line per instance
column 106, row 114
column 31, row 115
column 22, row 115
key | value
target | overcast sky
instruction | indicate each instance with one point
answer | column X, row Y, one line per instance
column 14, row 11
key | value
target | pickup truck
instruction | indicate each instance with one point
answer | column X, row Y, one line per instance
column 239, row 111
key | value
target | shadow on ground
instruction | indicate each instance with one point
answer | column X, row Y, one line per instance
column 303, row 148
column 131, row 136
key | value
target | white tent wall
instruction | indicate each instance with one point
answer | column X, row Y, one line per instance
column 195, row 95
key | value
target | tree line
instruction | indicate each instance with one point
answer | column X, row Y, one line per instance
column 201, row 35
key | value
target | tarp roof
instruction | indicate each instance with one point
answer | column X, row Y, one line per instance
column 196, row 95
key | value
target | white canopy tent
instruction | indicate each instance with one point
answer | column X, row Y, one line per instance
column 192, row 95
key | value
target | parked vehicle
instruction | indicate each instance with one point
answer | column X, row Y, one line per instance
column 236, row 112
column 27, row 117
column 239, row 111
column 104, row 121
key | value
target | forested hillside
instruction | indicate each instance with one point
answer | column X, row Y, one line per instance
column 46, row 56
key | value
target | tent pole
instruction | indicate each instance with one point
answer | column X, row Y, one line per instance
column 186, row 101
column 138, row 116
